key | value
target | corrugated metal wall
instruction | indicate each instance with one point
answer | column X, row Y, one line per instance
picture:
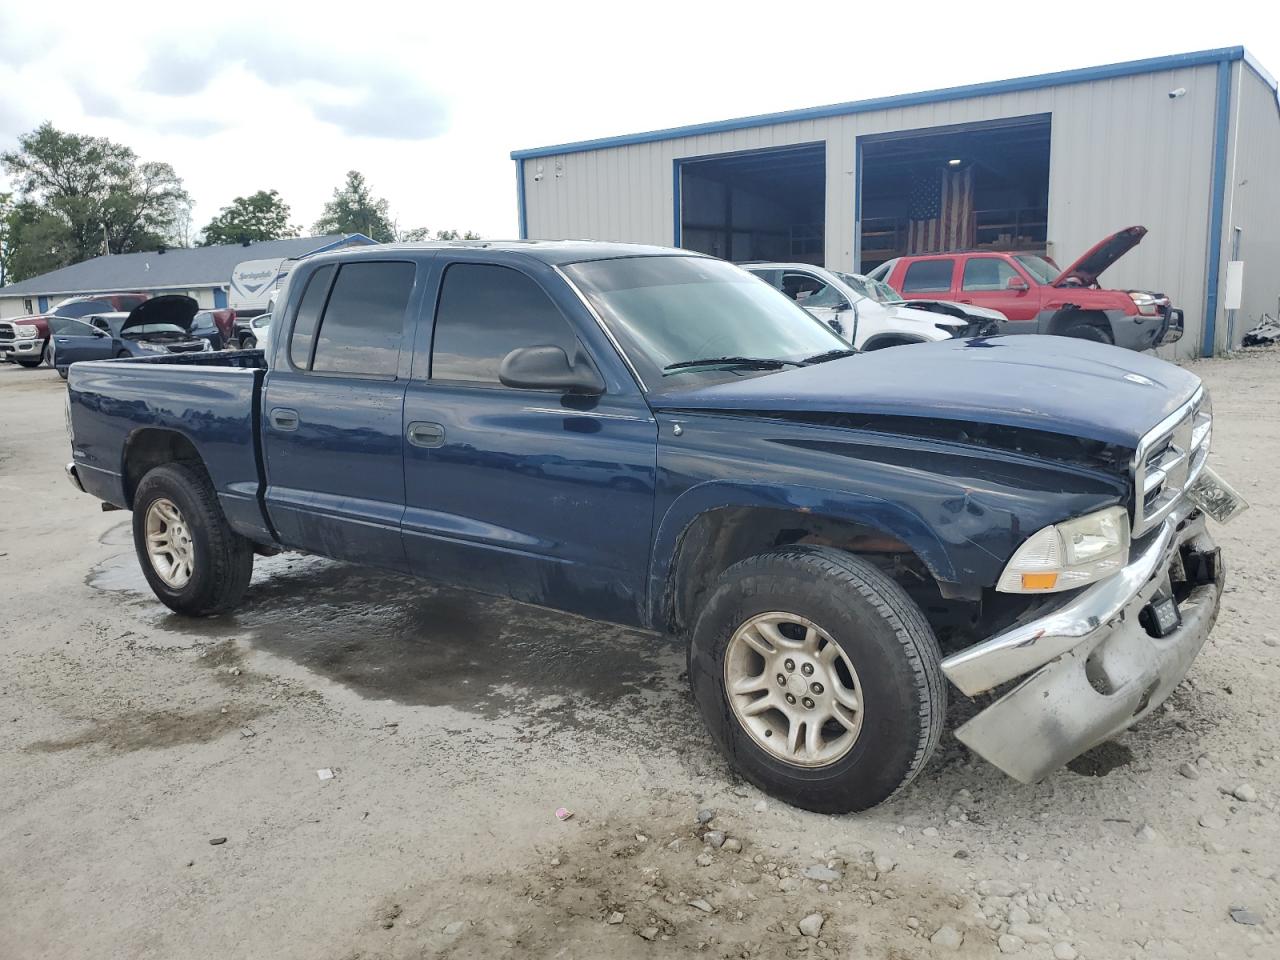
column 1122, row 153
column 1252, row 204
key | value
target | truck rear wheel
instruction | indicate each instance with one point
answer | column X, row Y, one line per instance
column 818, row 678
column 195, row 563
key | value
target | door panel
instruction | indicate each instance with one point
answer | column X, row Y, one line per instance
column 984, row 283
column 529, row 495
column 74, row 341
column 335, row 470
column 332, row 410
column 525, row 493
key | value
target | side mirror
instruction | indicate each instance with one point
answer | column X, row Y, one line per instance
column 1016, row 283
column 841, row 305
column 548, row 368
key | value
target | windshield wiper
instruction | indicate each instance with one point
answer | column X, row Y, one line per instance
column 755, row 363
column 829, row 355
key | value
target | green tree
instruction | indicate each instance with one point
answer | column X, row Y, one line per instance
column 260, row 216
column 354, row 209
column 104, row 196
column 418, row 234
column 35, row 242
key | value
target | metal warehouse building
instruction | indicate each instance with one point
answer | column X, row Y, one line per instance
column 1187, row 146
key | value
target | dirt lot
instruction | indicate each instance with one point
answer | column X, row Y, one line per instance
column 132, row 742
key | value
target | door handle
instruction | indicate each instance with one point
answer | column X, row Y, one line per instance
column 282, row 418
column 424, row 434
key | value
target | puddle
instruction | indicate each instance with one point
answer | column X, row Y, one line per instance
column 388, row 637
column 151, row 731
column 1101, row 760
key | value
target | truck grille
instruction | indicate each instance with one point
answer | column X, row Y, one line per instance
column 6, row 331
column 1169, row 458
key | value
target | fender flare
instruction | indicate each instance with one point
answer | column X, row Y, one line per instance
column 883, row 515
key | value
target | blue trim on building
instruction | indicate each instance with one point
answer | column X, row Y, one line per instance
column 1217, row 198
column 676, row 212
column 520, row 201
column 43, row 304
column 857, row 205
column 219, row 298
column 1016, row 85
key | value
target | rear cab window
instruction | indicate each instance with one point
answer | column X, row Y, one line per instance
column 929, row 275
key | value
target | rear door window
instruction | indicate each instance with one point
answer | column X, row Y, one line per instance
column 485, row 312
column 928, row 275
column 309, row 310
column 363, row 322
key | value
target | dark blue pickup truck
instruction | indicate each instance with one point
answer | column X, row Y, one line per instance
column 654, row 438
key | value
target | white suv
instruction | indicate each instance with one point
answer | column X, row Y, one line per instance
column 868, row 313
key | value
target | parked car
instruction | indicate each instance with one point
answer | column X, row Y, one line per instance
column 159, row 325
column 1037, row 297
column 849, row 304
column 655, row 438
column 216, row 326
column 246, row 335
column 25, row 340
column 260, row 331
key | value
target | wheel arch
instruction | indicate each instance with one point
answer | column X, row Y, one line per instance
column 149, row 447
column 715, row 525
column 1072, row 316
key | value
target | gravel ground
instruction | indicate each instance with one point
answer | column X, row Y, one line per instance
column 159, row 794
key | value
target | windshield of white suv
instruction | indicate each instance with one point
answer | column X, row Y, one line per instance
column 1040, row 268
column 684, row 321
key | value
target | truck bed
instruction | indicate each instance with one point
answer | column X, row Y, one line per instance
column 121, row 410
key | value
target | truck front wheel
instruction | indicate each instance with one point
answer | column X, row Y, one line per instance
column 195, row 563
column 818, row 677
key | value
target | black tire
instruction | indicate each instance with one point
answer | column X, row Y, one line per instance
column 249, row 343
column 882, row 633
column 122, row 354
column 30, row 364
column 223, row 560
column 1089, row 331
column 62, row 372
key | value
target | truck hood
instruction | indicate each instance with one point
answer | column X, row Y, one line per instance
column 1086, row 270
column 1053, row 384
column 961, row 311
column 171, row 308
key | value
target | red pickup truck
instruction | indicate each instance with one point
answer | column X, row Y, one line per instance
column 1037, row 297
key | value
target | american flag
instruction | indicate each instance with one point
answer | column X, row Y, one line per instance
column 940, row 210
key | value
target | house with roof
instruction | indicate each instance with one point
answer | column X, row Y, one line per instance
column 204, row 273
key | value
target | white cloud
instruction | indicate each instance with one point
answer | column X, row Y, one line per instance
column 429, row 99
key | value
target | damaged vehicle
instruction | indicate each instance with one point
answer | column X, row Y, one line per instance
column 1037, row 297
column 654, row 438
column 868, row 314
column 159, row 325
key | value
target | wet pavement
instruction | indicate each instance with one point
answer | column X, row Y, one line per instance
column 388, row 637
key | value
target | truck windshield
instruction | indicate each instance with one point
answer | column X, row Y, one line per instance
column 667, row 312
column 1046, row 271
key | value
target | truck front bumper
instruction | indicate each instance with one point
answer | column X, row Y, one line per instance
column 29, row 349
column 1097, row 663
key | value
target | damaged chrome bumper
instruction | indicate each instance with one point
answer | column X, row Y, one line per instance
column 1096, row 664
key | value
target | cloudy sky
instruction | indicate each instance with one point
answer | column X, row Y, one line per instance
column 429, row 99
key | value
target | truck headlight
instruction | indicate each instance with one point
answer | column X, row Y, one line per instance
column 1147, row 305
column 25, row 331
column 1069, row 554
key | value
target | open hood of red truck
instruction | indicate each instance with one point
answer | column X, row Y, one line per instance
column 1086, row 270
